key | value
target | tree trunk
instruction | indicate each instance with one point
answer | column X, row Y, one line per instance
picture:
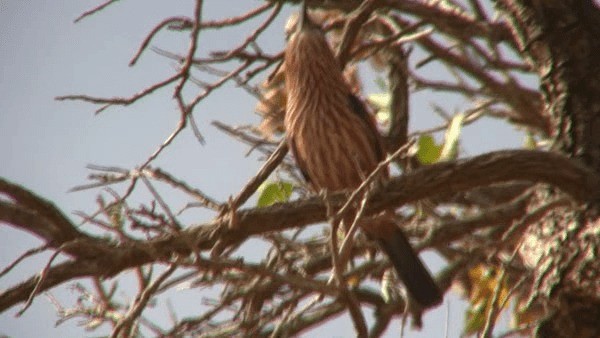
column 561, row 40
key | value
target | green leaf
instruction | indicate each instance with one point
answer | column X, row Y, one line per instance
column 381, row 83
column 450, row 149
column 429, row 151
column 530, row 142
column 475, row 318
column 274, row 192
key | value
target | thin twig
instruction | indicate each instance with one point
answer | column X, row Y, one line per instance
column 264, row 172
column 352, row 28
column 373, row 175
column 94, row 10
column 164, row 176
column 122, row 101
column 174, row 223
column 494, row 309
column 39, row 283
column 232, row 21
column 23, row 256
column 135, row 311
column 153, row 32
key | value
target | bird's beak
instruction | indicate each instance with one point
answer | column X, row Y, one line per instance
column 303, row 20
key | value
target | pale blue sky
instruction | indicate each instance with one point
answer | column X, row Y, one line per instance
column 45, row 144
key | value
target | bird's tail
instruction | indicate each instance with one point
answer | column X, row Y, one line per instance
column 418, row 281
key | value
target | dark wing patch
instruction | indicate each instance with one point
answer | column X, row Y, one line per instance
column 358, row 107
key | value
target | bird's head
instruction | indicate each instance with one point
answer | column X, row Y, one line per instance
column 301, row 23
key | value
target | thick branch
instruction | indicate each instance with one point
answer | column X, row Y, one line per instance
column 56, row 275
column 426, row 182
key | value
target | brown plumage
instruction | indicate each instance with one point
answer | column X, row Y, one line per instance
column 336, row 144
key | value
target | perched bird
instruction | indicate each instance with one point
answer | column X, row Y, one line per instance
column 335, row 143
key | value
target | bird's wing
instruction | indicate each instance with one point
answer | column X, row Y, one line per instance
column 358, row 107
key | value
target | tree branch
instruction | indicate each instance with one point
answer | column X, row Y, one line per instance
column 104, row 258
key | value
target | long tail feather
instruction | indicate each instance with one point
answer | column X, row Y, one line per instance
column 411, row 270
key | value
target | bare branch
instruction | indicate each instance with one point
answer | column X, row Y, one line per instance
column 536, row 166
column 122, row 101
column 261, row 176
column 154, row 31
column 352, row 28
column 95, row 10
column 126, row 324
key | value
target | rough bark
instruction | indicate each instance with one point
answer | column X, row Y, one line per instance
column 560, row 39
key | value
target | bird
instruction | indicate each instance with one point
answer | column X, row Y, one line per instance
column 335, row 143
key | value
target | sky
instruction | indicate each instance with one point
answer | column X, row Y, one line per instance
column 46, row 144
